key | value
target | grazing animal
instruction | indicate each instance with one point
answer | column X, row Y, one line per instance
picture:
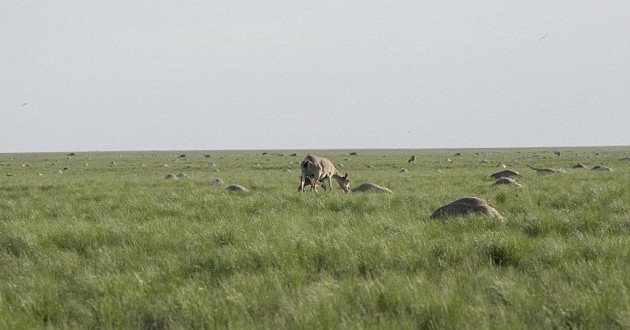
column 403, row 170
column 545, row 170
column 504, row 174
column 236, row 188
column 505, row 180
column 353, row 154
column 320, row 168
column 371, row 187
column 412, row 160
column 466, row 205
column 578, row 165
column 601, row 168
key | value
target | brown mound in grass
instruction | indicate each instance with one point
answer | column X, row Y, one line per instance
column 236, row 188
column 504, row 174
column 466, row 205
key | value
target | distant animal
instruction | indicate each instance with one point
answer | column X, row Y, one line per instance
column 557, row 153
column 170, row 176
column 353, row 154
column 545, row 170
column 181, row 156
column 236, row 188
column 293, row 155
column 403, row 170
column 181, row 175
column 320, row 168
column 457, row 154
column 216, row 182
column 505, row 180
column 601, row 168
column 412, row 160
column 578, row 165
column 71, row 154
column 504, row 174
column 466, row 205
column 370, row 187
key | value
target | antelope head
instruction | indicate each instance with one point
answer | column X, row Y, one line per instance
column 343, row 182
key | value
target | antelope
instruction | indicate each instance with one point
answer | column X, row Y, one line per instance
column 236, row 188
column 466, row 205
column 412, row 160
column 320, row 169
column 370, row 187
column 309, row 182
column 170, row 176
column 216, row 182
column 601, row 168
column 545, row 170
column 506, row 180
column 504, row 174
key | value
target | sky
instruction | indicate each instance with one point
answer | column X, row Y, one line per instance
column 87, row 75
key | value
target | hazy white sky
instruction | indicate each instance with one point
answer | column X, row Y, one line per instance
column 135, row 75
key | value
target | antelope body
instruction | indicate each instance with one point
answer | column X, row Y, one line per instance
column 371, row 187
column 321, row 169
column 466, row 205
column 545, row 170
column 504, row 174
column 506, row 180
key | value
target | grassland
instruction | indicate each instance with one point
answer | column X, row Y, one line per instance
column 108, row 243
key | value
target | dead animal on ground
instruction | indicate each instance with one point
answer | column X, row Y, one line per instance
column 504, row 174
column 371, row 187
column 505, row 180
column 170, row 176
column 236, row 188
column 216, row 182
column 466, row 205
column 546, row 170
column 601, row 168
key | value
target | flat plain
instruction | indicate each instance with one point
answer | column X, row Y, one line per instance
column 103, row 240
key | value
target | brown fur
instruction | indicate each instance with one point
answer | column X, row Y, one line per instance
column 545, row 170
column 466, row 205
column 504, row 174
column 322, row 169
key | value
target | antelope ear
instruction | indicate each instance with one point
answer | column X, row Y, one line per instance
column 345, row 176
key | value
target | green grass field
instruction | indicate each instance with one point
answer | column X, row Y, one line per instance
column 109, row 243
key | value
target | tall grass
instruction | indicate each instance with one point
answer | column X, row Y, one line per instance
column 111, row 244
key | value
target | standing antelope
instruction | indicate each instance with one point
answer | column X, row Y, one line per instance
column 320, row 168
